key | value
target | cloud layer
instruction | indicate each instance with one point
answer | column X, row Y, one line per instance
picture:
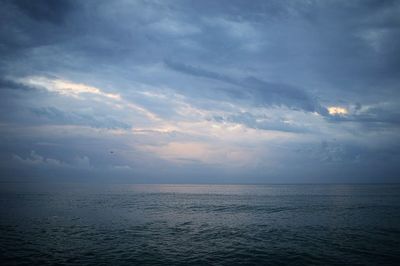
column 200, row 91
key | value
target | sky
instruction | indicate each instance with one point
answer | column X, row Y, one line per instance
column 200, row 91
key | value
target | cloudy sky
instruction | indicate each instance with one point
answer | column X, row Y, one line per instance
column 200, row 91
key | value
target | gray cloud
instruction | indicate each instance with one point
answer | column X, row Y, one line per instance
column 55, row 115
column 37, row 160
column 261, row 122
column 259, row 91
column 199, row 64
column 11, row 85
column 46, row 10
column 372, row 118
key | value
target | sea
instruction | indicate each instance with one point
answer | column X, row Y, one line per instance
column 125, row 224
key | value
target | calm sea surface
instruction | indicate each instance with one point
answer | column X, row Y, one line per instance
column 200, row 225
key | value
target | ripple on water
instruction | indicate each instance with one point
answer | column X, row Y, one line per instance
column 126, row 228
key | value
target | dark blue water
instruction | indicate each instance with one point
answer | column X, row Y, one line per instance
column 200, row 225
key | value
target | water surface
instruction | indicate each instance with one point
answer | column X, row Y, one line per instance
column 200, row 224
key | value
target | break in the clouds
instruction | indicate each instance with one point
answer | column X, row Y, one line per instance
column 200, row 91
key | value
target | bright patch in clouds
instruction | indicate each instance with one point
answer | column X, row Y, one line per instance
column 66, row 87
column 336, row 110
column 72, row 89
column 217, row 153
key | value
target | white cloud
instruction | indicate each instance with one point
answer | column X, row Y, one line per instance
column 38, row 160
column 77, row 90
column 174, row 27
column 66, row 87
column 34, row 159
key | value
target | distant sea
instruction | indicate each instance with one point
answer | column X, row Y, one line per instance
column 200, row 224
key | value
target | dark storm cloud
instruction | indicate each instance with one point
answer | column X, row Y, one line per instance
column 45, row 10
column 283, row 94
column 360, row 51
column 6, row 84
column 27, row 24
column 259, row 91
column 198, row 72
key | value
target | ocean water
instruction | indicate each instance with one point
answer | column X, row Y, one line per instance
column 200, row 225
